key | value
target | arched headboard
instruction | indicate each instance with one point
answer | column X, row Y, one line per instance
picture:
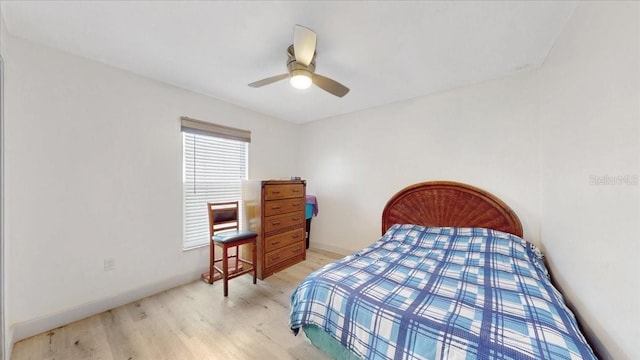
column 448, row 203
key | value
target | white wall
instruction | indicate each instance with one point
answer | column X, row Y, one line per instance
column 485, row 135
column 590, row 124
column 94, row 170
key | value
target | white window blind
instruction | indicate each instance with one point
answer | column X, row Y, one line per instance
column 214, row 167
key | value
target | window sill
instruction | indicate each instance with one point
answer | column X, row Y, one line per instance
column 194, row 247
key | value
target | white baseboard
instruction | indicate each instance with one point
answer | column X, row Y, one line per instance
column 8, row 344
column 332, row 249
column 25, row 329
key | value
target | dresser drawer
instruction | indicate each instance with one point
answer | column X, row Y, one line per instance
column 283, row 254
column 280, row 222
column 277, row 241
column 285, row 191
column 277, row 207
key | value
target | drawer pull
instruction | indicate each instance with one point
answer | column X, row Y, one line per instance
column 295, row 236
column 275, row 242
column 295, row 251
column 275, row 192
column 295, row 190
column 274, row 258
column 275, row 207
column 295, row 218
column 274, row 223
column 296, row 205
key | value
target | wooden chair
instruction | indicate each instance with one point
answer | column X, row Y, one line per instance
column 225, row 233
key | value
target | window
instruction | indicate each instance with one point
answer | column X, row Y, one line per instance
column 214, row 165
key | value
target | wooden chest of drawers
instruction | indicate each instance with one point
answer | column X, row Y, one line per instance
column 275, row 210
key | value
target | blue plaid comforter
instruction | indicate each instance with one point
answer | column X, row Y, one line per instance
column 441, row 293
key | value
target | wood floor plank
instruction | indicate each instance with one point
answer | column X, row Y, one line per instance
column 86, row 340
column 193, row 321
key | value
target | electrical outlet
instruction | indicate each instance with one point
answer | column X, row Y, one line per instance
column 109, row 264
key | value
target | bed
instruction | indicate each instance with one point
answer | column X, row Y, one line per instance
column 450, row 278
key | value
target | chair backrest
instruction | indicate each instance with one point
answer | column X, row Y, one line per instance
column 223, row 216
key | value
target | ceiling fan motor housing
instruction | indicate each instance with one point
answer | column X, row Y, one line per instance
column 297, row 67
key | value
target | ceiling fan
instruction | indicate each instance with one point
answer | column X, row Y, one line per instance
column 302, row 65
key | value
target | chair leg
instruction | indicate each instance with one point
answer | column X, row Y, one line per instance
column 254, row 260
column 211, row 260
column 225, row 269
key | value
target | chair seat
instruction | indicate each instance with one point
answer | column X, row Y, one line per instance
column 234, row 235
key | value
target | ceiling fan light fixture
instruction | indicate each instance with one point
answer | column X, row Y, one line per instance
column 300, row 79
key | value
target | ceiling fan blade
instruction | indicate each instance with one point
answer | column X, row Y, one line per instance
column 304, row 44
column 268, row 80
column 330, row 85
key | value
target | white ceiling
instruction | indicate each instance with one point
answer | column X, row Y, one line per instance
column 384, row 51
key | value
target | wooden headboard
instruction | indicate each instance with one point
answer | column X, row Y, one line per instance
column 448, row 203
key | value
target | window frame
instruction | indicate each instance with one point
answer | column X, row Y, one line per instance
column 207, row 138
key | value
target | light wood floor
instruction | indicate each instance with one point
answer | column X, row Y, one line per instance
column 193, row 321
